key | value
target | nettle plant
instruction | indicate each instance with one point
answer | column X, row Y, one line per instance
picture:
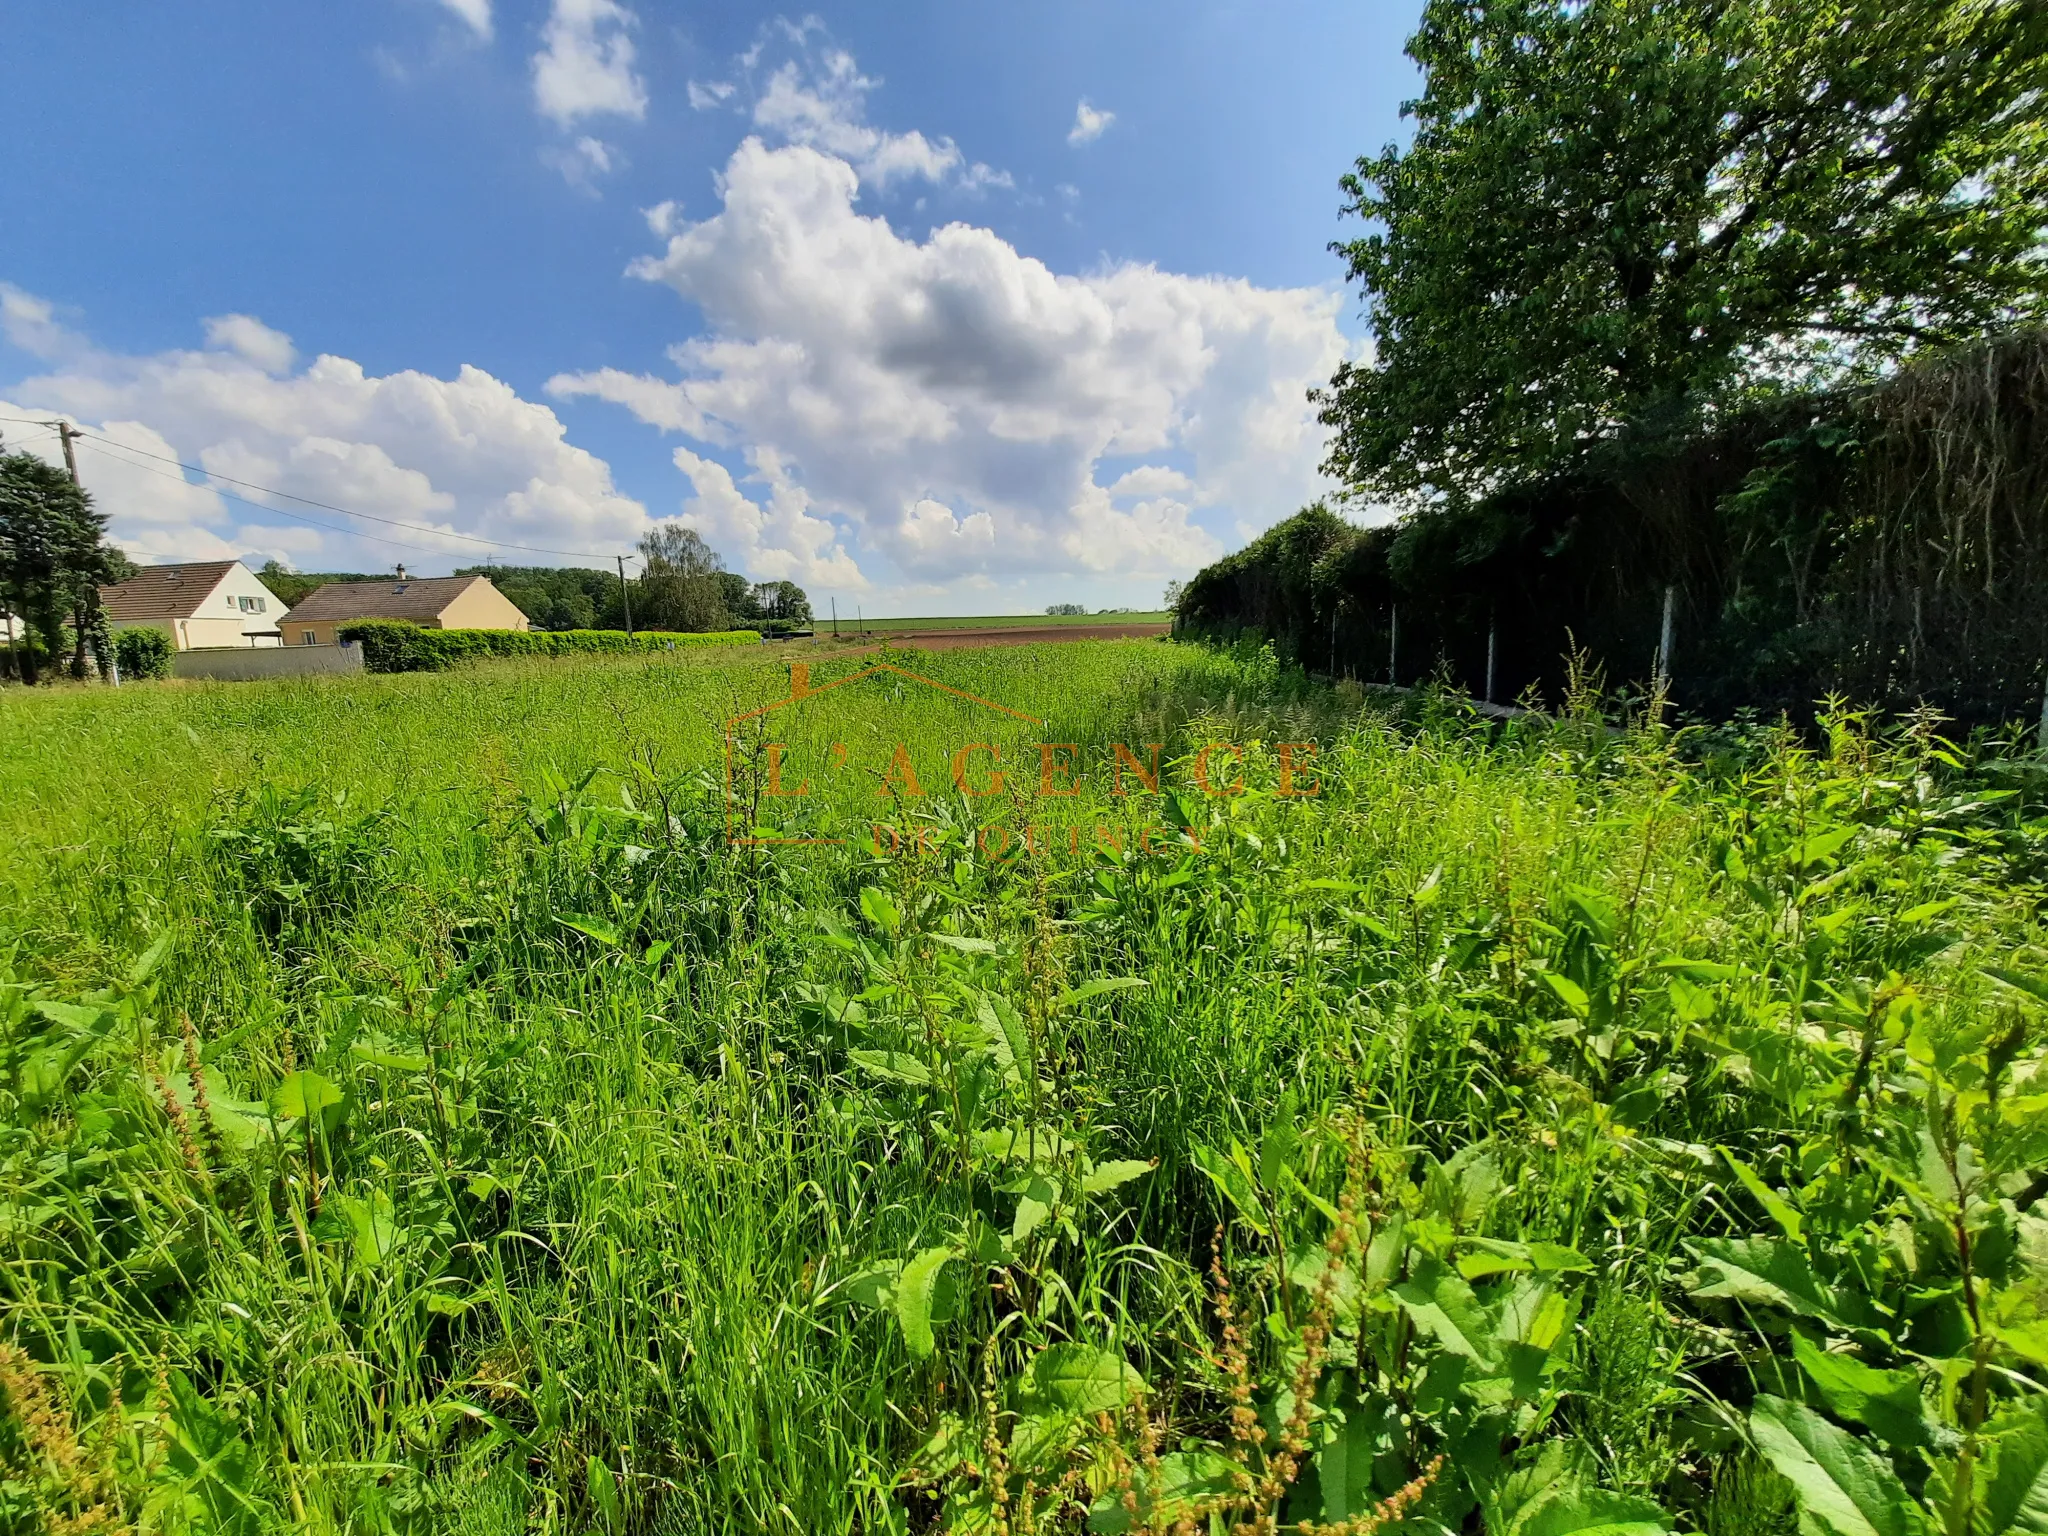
column 1374, row 1358
column 1374, row 1355
column 1415, row 1365
column 980, row 1076
column 1890, row 1320
column 1898, row 1300
column 973, row 1067
column 125, row 1148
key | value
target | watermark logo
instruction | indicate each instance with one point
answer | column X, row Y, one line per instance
column 1050, row 771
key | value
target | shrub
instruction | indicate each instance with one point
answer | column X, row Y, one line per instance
column 391, row 645
column 24, row 647
column 143, row 652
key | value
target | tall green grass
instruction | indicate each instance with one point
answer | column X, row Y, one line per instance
column 564, row 1164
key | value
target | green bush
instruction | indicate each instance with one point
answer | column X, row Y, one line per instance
column 391, row 645
column 24, row 646
column 143, row 652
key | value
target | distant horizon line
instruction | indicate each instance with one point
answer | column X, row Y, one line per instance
column 855, row 618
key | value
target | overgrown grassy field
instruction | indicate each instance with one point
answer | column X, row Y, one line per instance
column 1001, row 621
column 481, row 1101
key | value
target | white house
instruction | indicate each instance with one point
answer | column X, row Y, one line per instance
column 203, row 606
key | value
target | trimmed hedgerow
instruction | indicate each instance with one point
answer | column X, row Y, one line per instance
column 391, row 645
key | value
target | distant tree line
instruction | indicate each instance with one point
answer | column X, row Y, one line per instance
column 291, row 587
column 680, row 585
column 1692, row 303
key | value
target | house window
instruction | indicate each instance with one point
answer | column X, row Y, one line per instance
column 311, row 638
column 250, row 604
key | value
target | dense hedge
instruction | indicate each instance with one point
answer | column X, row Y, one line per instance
column 393, row 646
column 143, row 652
column 1888, row 544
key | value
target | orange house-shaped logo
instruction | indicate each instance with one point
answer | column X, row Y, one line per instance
column 801, row 691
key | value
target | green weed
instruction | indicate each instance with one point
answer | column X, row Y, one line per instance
column 441, row 1101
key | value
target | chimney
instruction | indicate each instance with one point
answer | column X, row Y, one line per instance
column 401, row 570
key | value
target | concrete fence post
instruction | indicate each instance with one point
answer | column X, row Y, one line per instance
column 1665, row 636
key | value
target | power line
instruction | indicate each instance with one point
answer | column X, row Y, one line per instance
column 391, row 522
column 347, row 533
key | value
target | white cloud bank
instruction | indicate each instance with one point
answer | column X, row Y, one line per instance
column 464, row 455
column 970, row 413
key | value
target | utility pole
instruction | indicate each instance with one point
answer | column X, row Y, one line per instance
column 835, row 618
column 65, row 434
column 626, row 596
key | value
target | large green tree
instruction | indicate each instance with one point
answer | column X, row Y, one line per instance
column 53, row 556
column 782, row 602
column 1621, row 215
column 680, row 586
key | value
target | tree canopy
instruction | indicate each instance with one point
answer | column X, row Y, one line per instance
column 781, row 602
column 680, row 586
column 1622, row 215
column 558, row 597
column 53, row 558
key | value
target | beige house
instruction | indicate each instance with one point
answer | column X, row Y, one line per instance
column 432, row 602
column 203, row 606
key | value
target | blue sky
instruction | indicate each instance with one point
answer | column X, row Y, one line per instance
column 937, row 308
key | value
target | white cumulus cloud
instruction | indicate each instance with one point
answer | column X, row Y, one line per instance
column 474, row 14
column 270, row 350
column 822, row 102
column 813, row 93
column 464, row 455
column 1089, row 123
column 965, row 409
column 585, row 65
column 772, row 540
